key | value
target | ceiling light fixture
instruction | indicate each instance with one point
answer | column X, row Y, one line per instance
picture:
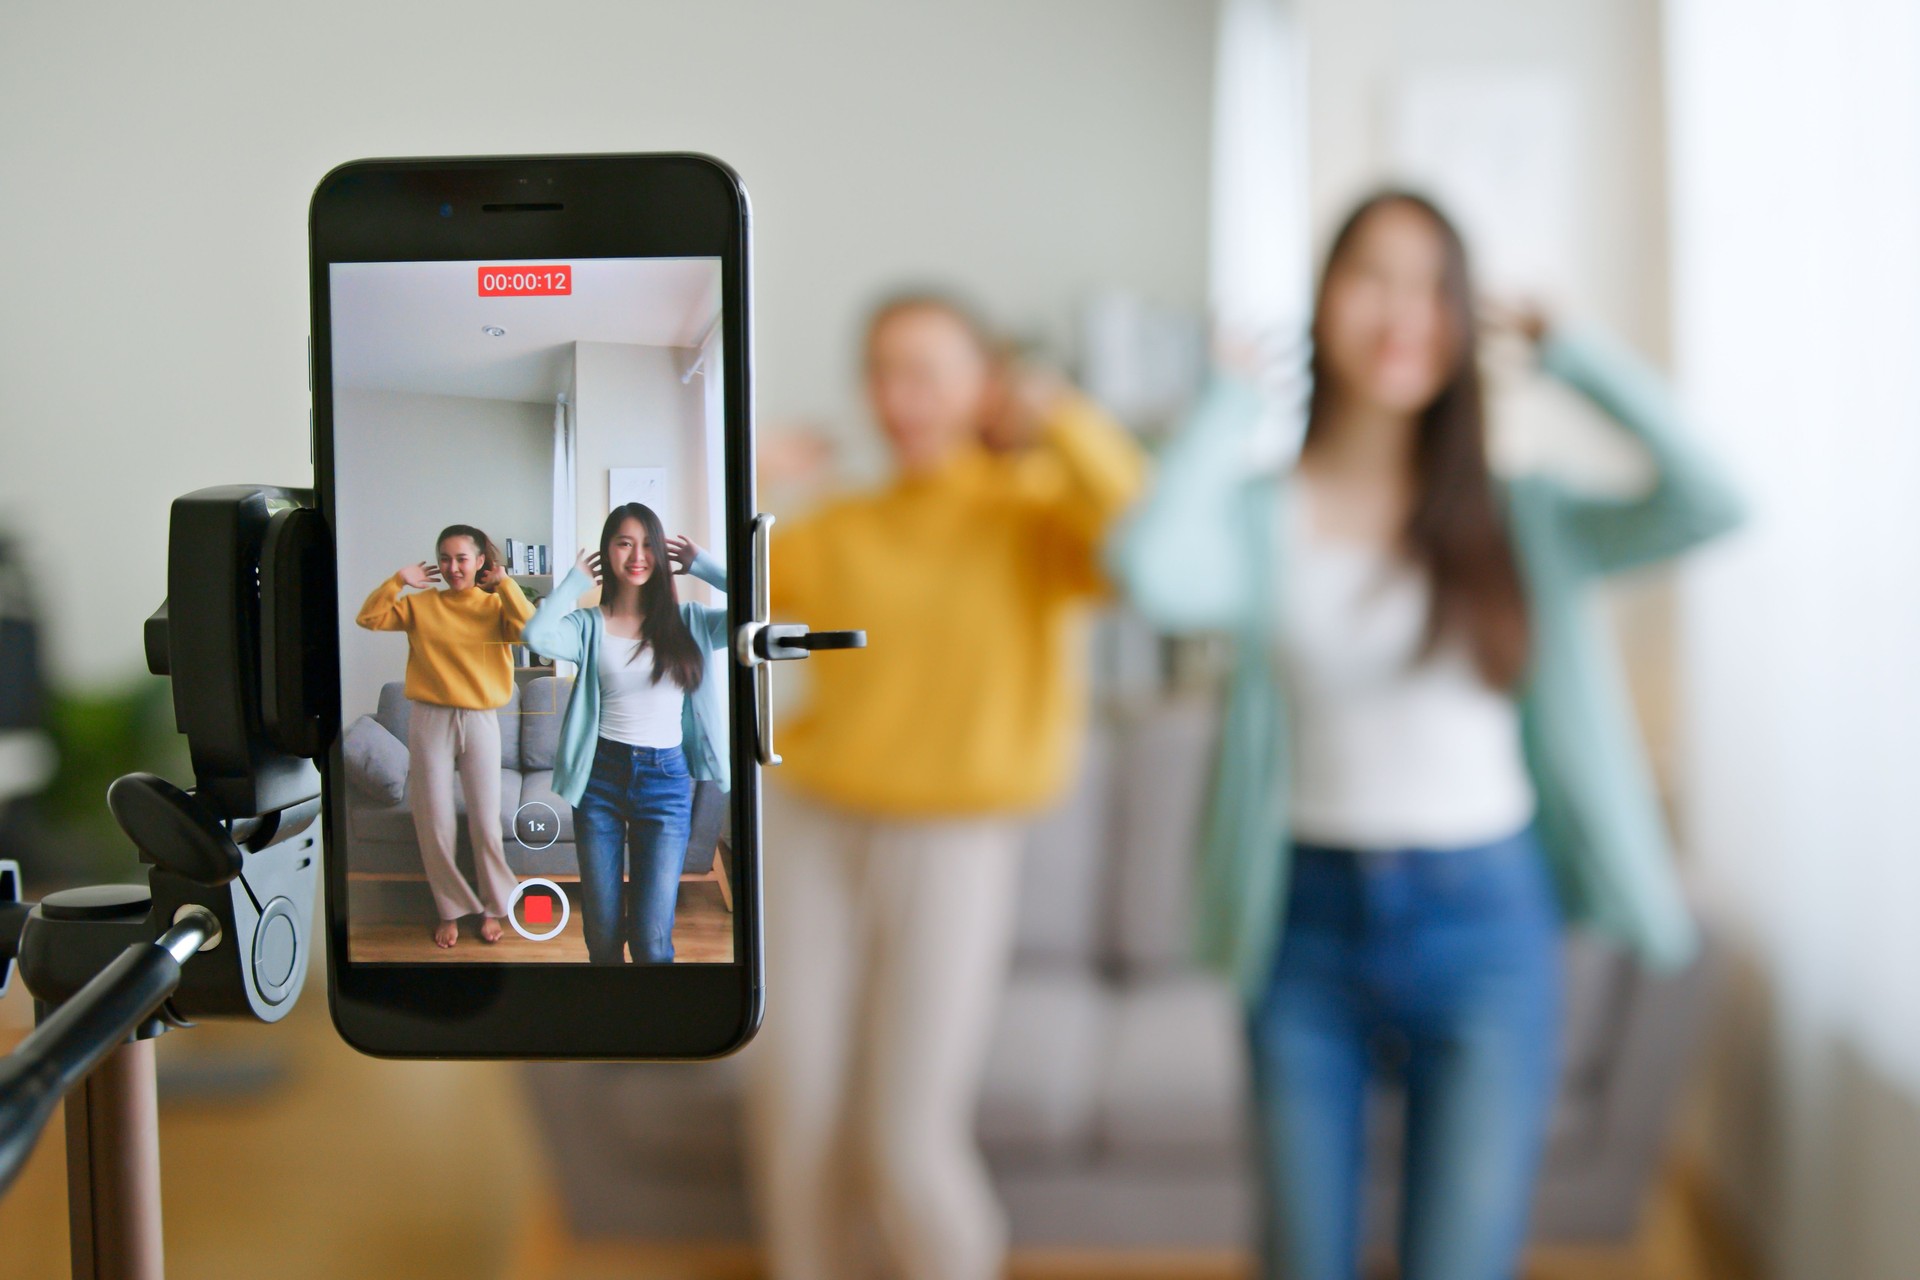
column 493, row 331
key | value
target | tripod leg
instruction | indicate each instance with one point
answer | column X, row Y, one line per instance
column 113, row 1169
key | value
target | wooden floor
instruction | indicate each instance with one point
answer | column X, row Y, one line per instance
column 344, row 1166
column 702, row 934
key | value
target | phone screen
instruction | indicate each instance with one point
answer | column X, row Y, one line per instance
column 529, row 480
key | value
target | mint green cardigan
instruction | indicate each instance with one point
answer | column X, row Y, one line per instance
column 1200, row 554
column 558, row 630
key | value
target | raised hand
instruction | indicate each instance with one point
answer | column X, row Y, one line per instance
column 491, row 576
column 1019, row 399
column 1522, row 317
column 794, row 455
column 420, row 576
column 588, row 562
column 683, row 551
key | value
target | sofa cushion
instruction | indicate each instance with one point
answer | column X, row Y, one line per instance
column 394, row 822
column 1041, row 1085
column 703, row 827
column 543, row 702
column 395, row 714
column 1598, row 975
column 1599, row 986
column 1174, row 1082
column 1064, row 870
column 387, row 824
column 376, row 762
column 1162, row 771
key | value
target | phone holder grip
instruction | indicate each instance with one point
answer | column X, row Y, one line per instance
column 760, row 641
column 788, row 641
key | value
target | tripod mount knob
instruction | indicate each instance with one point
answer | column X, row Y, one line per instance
column 174, row 829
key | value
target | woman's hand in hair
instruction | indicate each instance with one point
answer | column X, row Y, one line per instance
column 683, row 551
column 1018, row 400
column 490, row 578
column 420, row 576
column 588, row 562
column 1523, row 318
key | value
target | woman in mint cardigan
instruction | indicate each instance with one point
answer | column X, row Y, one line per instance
column 1427, row 760
column 646, row 720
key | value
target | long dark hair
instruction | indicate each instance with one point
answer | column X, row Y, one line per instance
column 489, row 554
column 1456, row 531
column 675, row 652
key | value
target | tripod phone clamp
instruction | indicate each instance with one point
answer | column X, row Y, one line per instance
column 760, row 641
column 221, row 927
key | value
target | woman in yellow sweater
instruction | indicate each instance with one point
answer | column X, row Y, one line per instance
column 893, row 848
column 459, row 674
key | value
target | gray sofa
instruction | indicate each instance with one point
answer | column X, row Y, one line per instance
column 1113, row 1107
column 382, row 837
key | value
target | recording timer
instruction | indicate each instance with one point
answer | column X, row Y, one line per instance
column 526, row 282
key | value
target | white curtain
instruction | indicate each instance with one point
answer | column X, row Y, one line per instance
column 1796, row 270
column 566, row 537
column 713, row 380
column 1260, row 248
column 1259, row 260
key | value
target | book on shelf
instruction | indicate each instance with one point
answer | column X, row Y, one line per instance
column 526, row 659
column 527, row 559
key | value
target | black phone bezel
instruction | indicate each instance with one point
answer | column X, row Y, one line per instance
column 609, row 206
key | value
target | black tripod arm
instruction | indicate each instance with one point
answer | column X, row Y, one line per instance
column 70, row 1043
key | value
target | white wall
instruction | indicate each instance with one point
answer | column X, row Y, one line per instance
column 632, row 410
column 409, row 466
column 1607, row 51
column 1797, row 308
column 159, row 160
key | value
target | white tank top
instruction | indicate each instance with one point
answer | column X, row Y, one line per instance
column 633, row 709
column 1391, row 749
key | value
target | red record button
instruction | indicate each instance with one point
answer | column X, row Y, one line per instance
column 526, row 282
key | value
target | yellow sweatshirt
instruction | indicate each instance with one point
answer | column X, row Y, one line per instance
column 970, row 583
column 457, row 653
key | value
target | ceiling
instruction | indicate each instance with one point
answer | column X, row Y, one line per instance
column 420, row 326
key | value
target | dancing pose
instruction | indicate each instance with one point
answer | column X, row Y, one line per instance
column 1426, row 759
column 459, row 674
column 894, row 840
column 642, row 724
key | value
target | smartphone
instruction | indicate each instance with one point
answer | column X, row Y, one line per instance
column 532, row 442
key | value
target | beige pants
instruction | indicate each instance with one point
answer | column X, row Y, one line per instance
column 441, row 740
column 887, row 946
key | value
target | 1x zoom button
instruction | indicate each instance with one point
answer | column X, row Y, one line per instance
column 536, row 825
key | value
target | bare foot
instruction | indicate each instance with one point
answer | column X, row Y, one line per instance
column 489, row 929
column 446, row 934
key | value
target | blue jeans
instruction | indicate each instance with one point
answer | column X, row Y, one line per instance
column 633, row 818
column 1450, row 960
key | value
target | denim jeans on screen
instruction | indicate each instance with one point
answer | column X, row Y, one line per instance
column 1448, row 962
column 634, row 818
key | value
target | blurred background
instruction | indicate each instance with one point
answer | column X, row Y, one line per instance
column 1734, row 189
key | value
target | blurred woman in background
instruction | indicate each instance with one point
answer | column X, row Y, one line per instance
column 1427, row 761
column 894, row 839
